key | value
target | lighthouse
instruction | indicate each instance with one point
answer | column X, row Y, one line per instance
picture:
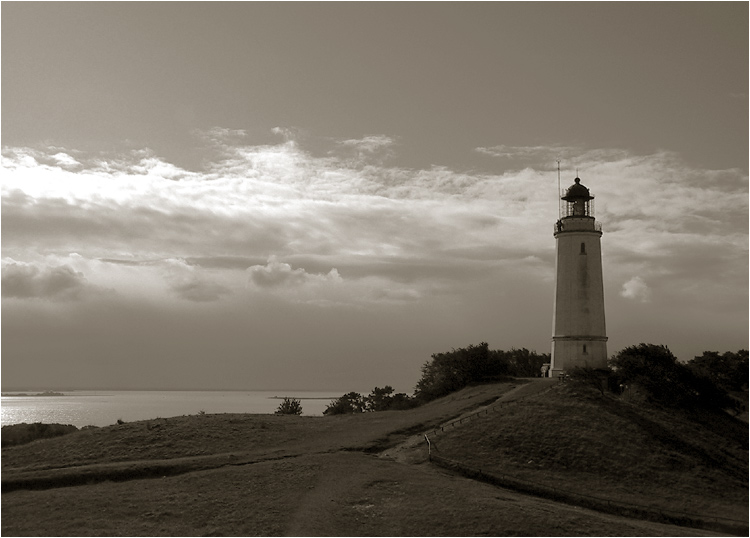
column 579, row 336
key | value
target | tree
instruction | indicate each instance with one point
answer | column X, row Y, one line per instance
column 520, row 362
column 290, row 406
column 451, row 371
column 402, row 401
column 728, row 370
column 351, row 402
column 665, row 380
column 592, row 377
column 379, row 399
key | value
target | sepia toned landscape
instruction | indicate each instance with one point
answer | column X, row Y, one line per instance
column 214, row 209
column 369, row 474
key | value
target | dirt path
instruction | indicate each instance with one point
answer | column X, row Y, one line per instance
column 318, row 508
column 367, row 496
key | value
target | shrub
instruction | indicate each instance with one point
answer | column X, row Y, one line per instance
column 19, row 434
column 590, row 377
column 351, row 402
column 728, row 370
column 454, row 370
column 289, row 406
column 517, row 362
column 379, row 399
column 656, row 370
column 402, row 401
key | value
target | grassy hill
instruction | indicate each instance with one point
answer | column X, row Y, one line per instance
column 574, row 439
column 367, row 474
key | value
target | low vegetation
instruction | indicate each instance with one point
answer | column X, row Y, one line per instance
column 459, row 368
column 649, row 372
column 380, row 399
column 289, row 406
column 18, row 434
column 446, row 373
column 727, row 370
column 661, row 378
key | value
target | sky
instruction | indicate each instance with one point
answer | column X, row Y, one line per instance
column 261, row 196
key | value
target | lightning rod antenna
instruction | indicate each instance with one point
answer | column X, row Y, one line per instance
column 559, row 192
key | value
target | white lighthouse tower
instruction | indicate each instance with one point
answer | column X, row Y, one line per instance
column 579, row 335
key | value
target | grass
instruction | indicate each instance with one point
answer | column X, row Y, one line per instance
column 340, row 494
column 362, row 475
column 575, row 440
column 18, row 434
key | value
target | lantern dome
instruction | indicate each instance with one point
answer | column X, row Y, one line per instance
column 577, row 192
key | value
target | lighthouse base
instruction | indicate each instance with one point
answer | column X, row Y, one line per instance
column 583, row 352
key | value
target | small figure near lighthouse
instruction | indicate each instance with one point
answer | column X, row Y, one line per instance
column 579, row 334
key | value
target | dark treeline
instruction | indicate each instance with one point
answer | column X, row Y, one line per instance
column 458, row 368
column 651, row 372
column 648, row 370
column 728, row 370
column 380, row 399
column 445, row 373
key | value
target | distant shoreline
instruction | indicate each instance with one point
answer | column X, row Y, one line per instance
column 104, row 408
column 303, row 397
column 22, row 394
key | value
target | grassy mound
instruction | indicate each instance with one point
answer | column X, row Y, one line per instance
column 19, row 434
column 240, row 434
column 571, row 438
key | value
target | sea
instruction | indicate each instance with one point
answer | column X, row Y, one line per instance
column 103, row 408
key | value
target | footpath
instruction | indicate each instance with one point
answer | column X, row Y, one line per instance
column 415, row 449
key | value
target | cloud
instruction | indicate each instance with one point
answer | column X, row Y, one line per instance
column 404, row 294
column 31, row 281
column 370, row 147
column 276, row 274
column 190, row 283
column 413, row 232
column 290, row 134
column 65, row 160
column 538, row 153
column 369, row 144
column 200, row 291
column 220, row 135
column 636, row 289
column 277, row 238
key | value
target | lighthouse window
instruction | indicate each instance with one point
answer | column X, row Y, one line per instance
column 584, row 349
column 583, row 248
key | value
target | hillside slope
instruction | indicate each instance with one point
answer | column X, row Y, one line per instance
column 574, row 439
column 284, row 475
